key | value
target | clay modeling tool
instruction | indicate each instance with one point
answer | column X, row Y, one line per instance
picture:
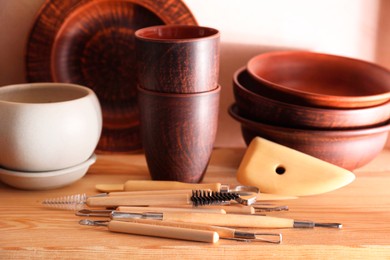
column 197, row 198
column 156, row 230
column 147, row 185
column 277, row 169
column 161, row 187
column 223, row 232
column 233, row 208
column 107, row 212
column 247, row 195
column 226, row 220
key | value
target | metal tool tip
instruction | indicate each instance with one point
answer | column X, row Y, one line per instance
column 275, row 238
column 329, row 225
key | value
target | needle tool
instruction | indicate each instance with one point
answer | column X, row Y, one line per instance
column 226, row 220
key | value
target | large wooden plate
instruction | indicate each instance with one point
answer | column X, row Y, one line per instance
column 91, row 42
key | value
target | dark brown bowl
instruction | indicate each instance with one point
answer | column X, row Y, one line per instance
column 265, row 108
column 321, row 80
column 349, row 149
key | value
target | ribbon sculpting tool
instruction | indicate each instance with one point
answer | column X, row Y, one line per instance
column 155, row 230
column 223, row 232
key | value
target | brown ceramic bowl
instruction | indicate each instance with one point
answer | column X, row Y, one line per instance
column 349, row 149
column 265, row 108
column 321, row 80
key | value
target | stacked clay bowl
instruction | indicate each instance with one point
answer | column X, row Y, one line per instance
column 331, row 107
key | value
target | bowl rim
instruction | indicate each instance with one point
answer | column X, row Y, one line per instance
column 140, row 33
column 238, row 84
column 385, row 127
column 85, row 92
column 316, row 98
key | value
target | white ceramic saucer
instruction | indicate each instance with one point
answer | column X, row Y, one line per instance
column 45, row 180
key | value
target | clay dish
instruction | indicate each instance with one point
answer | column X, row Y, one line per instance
column 46, row 180
column 47, row 126
column 349, row 149
column 321, row 80
column 265, row 108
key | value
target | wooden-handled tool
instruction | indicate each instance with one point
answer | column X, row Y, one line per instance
column 156, row 230
column 196, row 198
column 223, row 232
column 226, row 220
column 148, row 185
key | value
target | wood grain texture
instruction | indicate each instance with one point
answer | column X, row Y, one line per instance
column 91, row 42
column 29, row 231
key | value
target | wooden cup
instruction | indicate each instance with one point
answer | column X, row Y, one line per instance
column 178, row 133
column 177, row 58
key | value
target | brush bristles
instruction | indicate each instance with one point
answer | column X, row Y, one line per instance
column 203, row 197
column 71, row 202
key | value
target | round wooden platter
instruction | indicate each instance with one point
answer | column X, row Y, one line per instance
column 91, row 42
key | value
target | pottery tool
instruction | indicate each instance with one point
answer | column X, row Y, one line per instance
column 170, row 186
column 148, row 185
column 156, row 230
column 107, row 212
column 196, row 198
column 277, row 169
column 223, row 232
column 231, row 208
column 226, row 220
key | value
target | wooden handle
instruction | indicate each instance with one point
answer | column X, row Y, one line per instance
column 138, row 200
column 163, row 231
column 230, row 220
column 233, row 208
column 223, row 232
column 144, row 185
column 164, row 209
column 150, row 192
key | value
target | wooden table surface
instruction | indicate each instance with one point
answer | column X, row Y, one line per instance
column 28, row 230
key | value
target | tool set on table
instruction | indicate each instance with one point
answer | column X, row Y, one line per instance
column 168, row 210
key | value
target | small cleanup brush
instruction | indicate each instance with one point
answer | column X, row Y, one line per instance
column 195, row 198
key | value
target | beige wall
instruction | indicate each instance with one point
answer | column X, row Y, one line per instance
column 356, row 28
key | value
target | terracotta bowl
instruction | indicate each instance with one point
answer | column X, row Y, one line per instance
column 265, row 108
column 321, row 80
column 349, row 149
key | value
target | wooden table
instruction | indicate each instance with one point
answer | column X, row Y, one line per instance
column 28, row 230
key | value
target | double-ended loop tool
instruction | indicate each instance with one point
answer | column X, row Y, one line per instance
column 180, row 230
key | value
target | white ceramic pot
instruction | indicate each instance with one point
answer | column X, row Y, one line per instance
column 47, row 126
